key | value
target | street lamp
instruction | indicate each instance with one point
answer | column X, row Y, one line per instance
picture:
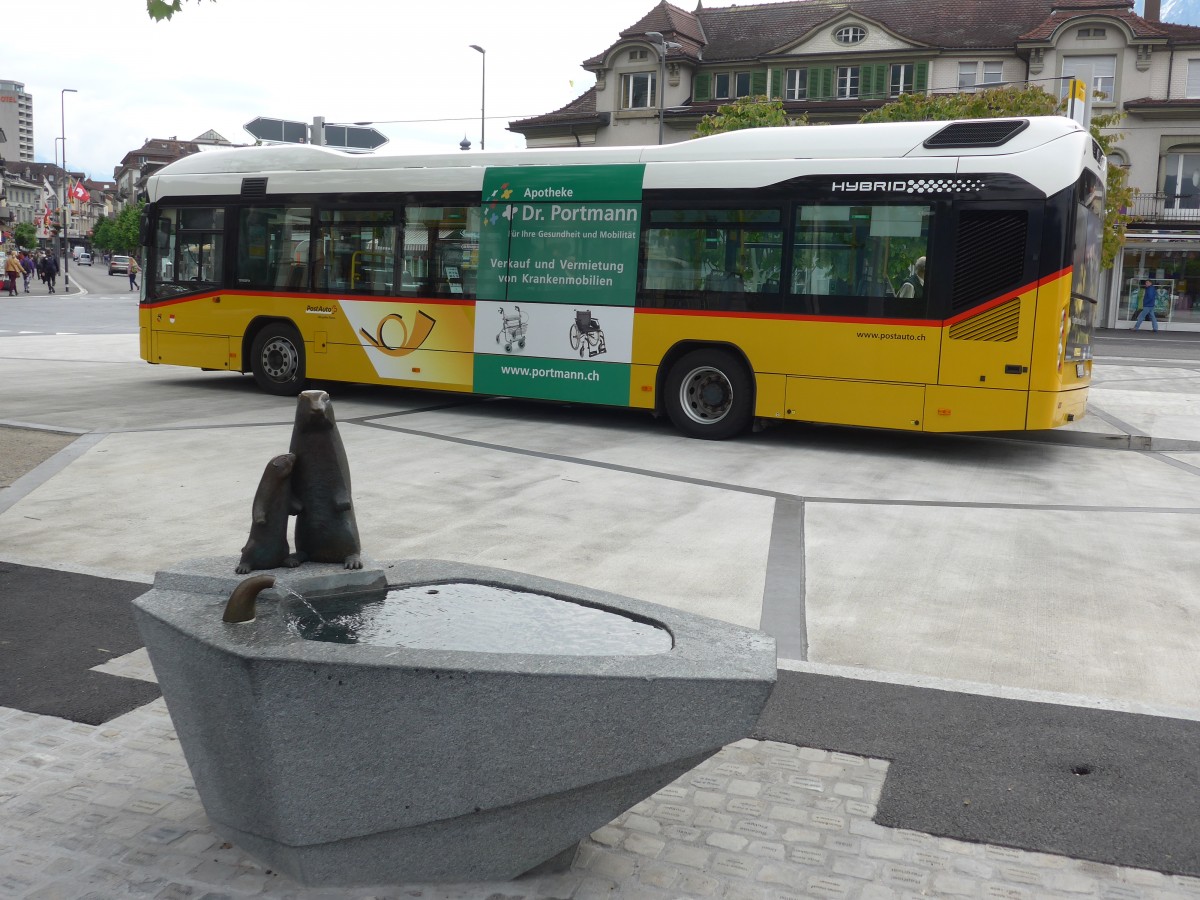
column 482, row 89
column 66, row 213
column 663, row 45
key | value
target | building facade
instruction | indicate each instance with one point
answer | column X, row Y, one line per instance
column 16, row 121
column 836, row 60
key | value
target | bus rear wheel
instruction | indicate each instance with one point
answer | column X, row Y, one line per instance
column 277, row 360
column 710, row 395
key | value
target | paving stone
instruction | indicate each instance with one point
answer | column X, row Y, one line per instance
column 111, row 811
column 644, row 845
column 727, row 841
column 697, row 885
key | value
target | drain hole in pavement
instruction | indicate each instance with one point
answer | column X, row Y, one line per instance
column 1081, row 770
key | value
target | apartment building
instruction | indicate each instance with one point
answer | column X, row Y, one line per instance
column 835, row 60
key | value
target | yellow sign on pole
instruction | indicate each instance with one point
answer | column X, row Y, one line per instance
column 1077, row 105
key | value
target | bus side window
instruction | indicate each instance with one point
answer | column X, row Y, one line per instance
column 441, row 250
column 853, row 259
column 721, row 259
column 355, row 251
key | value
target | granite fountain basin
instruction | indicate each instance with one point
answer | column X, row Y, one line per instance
column 363, row 730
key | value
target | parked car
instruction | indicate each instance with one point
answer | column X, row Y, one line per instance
column 84, row 259
column 118, row 265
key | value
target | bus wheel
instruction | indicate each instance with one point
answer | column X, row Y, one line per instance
column 277, row 360
column 710, row 395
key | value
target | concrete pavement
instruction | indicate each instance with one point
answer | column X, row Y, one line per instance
column 1056, row 569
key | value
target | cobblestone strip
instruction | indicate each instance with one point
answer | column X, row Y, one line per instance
column 111, row 811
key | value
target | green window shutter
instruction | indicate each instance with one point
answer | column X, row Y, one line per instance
column 776, row 84
column 701, row 87
column 866, row 82
column 883, row 82
column 820, row 83
column 920, row 77
column 758, row 83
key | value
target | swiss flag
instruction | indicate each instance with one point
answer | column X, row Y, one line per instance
column 79, row 192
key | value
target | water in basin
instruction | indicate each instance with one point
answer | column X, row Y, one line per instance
column 480, row 618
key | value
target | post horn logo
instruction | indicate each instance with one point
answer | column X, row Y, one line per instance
column 411, row 340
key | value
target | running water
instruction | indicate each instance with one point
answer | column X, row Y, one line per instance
column 320, row 618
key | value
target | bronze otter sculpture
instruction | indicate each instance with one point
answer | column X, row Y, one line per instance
column 267, row 546
column 326, row 530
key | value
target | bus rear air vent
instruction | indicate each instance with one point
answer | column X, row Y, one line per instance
column 254, row 187
column 991, row 133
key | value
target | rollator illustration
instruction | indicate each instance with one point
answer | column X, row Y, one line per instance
column 513, row 328
column 586, row 335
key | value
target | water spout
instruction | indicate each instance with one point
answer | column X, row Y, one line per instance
column 240, row 607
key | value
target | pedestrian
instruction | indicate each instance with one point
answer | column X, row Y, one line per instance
column 12, row 268
column 913, row 286
column 133, row 273
column 1149, row 298
column 27, row 268
column 51, row 270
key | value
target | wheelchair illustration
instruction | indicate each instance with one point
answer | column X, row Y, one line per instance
column 513, row 328
column 586, row 334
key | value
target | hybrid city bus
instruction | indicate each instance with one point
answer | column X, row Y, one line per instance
column 929, row 276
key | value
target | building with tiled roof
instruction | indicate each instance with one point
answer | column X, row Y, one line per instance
column 836, row 60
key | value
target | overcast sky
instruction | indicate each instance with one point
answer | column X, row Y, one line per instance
column 220, row 64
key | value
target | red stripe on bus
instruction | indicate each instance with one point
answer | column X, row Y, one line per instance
column 787, row 317
column 858, row 320
column 1004, row 298
column 190, row 298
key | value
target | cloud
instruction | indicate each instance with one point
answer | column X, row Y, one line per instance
column 220, row 64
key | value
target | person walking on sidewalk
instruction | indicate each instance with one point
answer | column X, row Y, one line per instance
column 51, row 270
column 133, row 273
column 1149, row 298
column 12, row 268
column 27, row 268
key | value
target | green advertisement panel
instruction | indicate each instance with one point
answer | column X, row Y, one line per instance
column 552, row 379
column 561, row 234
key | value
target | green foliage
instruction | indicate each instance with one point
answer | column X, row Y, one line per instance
column 1028, row 101
column 1118, row 197
column 998, row 102
column 119, row 235
column 102, row 233
column 163, row 9
column 126, row 227
column 747, row 112
column 25, row 234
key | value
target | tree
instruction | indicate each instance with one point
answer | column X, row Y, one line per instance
column 102, row 233
column 1028, row 101
column 747, row 112
column 125, row 229
column 25, row 235
column 119, row 235
column 163, row 9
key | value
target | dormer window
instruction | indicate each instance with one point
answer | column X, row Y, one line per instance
column 850, row 34
column 1090, row 34
column 638, row 55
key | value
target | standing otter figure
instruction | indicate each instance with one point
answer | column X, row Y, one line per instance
column 325, row 527
column 267, row 546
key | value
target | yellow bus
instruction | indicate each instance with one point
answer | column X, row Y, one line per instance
column 926, row 276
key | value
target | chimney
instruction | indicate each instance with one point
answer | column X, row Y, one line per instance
column 1152, row 10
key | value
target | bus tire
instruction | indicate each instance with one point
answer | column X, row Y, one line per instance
column 277, row 360
column 710, row 395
